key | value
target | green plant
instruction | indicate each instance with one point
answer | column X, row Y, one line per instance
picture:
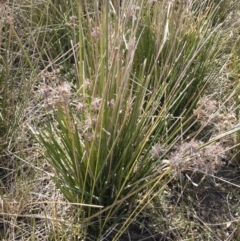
column 139, row 76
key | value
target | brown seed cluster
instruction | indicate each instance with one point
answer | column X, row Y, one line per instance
column 187, row 156
column 208, row 114
column 61, row 94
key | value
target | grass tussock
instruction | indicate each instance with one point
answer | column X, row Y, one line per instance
column 108, row 110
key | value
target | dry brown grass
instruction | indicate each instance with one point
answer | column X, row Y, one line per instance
column 202, row 203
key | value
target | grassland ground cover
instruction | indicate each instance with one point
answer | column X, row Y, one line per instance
column 119, row 121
